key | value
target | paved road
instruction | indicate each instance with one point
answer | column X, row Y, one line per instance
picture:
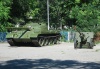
column 61, row 56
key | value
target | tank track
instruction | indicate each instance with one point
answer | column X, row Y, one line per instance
column 41, row 40
column 11, row 41
column 44, row 40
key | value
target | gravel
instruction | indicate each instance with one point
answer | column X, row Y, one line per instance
column 60, row 56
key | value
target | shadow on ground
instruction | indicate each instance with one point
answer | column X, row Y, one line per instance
column 47, row 64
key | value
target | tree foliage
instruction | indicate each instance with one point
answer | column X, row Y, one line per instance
column 85, row 14
column 4, row 13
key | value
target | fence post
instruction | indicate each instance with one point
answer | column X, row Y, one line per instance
column 68, row 36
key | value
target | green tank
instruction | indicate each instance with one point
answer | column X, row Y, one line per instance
column 32, row 34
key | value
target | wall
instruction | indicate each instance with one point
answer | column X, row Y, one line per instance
column 3, row 36
column 67, row 36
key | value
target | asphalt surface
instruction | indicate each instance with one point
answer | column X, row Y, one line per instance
column 60, row 56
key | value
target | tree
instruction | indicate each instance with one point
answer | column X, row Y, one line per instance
column 87, row 15
column 82, row 13
column 21, row 10
column 4, row 14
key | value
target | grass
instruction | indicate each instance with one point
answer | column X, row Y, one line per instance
column 97, row 50
column 97, row 42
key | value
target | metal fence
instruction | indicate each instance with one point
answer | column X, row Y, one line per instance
column 67, row 36
column 3, row 36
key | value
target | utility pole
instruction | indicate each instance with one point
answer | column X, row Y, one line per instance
column 48, row 14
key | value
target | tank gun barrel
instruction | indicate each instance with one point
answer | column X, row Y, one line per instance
column 18, row 28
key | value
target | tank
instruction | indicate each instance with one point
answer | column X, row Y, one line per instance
column 84, row 40
column 32, row 34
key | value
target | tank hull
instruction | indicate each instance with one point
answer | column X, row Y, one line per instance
column 40, row 40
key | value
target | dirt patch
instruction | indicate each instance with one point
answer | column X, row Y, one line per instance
column 97, row 37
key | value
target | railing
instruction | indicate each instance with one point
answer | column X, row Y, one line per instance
column 67, row 36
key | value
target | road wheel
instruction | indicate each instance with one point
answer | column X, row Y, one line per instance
column 50, row 41
column 58, row 39
column 41, row 41
column 91, row 44
column 55, row 40
column 88, row 44
column 46, row 41
column 75, row 44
